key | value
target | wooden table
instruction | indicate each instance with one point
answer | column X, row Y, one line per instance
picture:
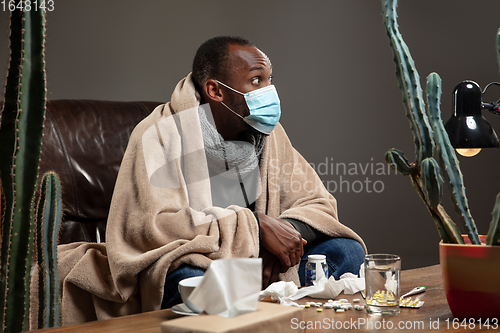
column 433, row 316
column 434, row 312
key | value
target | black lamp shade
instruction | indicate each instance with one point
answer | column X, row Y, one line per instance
column 467, row 128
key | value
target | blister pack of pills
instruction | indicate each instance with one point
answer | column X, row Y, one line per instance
column 409, row 303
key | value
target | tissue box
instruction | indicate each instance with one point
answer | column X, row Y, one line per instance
column 268, row 317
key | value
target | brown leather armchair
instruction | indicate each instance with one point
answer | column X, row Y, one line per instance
column 84, row 142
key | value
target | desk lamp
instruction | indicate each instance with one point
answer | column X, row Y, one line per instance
column 468, row 130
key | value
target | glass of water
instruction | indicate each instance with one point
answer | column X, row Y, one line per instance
column 382, row 284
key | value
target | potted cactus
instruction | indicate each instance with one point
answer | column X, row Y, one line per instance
column 469, row 262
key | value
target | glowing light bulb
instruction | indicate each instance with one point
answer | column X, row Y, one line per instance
column 468, row 152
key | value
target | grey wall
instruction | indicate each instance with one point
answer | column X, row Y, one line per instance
column 334, row 73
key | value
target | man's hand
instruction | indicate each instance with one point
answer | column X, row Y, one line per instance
column 281, row 239
column 270, row 268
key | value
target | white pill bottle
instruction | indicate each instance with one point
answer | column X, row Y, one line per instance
column 316, row 268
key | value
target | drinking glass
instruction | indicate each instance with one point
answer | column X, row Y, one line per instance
column 382, row 283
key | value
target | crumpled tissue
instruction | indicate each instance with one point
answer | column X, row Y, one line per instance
column 279, row 289
column 324, row 288
column 230, row 287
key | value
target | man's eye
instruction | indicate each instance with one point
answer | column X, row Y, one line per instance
column 271, row 79
column 256, row 81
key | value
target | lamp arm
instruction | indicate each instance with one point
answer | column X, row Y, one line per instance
column 492, row 107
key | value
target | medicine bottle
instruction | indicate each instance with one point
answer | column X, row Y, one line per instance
column 316, row 268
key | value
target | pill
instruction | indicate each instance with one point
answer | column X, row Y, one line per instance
column 307, row 306
column 343, row 300
column 356, row 300
column 319, row 310
column 344, row 307
column 302, row 306
column 339, row 310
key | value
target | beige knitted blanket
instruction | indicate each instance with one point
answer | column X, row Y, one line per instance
column 161, row 215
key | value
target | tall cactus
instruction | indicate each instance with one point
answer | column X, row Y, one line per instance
column 21, row 128
column 49, row 215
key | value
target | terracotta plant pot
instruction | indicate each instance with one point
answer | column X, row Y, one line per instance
column 471, row 279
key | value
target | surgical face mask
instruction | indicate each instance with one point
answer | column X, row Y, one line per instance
column 264, row 106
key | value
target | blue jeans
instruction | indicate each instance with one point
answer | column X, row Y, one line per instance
column 342, row 255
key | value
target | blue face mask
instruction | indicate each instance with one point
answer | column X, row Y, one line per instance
column 264, row 106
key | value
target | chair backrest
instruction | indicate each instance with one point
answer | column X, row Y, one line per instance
column 84, row 142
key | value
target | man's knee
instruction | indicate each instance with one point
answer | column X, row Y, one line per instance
column 344, row 255
column 356, row 251
column 346, row 247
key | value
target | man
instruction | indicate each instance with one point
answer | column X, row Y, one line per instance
column 212, row 175
column 224, row 69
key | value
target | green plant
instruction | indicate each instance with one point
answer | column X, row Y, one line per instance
column 21, row 129
column 431, row 138
column 49, row 216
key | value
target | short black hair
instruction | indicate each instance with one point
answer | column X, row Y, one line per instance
column 210, row 61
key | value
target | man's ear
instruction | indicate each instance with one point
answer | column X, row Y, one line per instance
column 213, row 91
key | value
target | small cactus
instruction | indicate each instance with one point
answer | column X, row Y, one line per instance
column 49, row 216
